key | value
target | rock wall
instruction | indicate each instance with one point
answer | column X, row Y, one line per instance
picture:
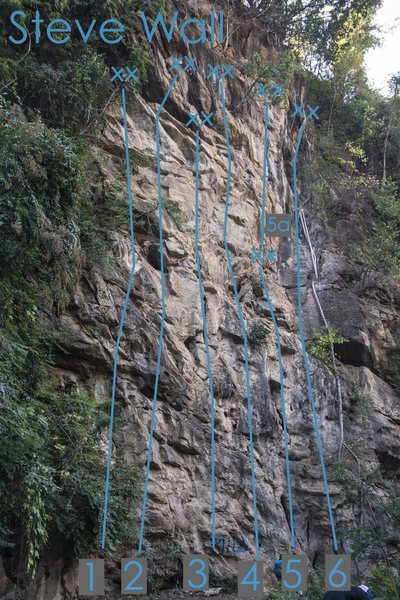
column 179, row 507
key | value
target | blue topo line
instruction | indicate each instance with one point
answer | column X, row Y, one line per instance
column 160, row 344
column 121, row 325
column 303, row 345
column 278, row 337
column 205, row 333
column 265, row 173
column 283, row 404
column 242, row 323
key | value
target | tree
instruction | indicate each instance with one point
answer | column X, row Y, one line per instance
column 394, row 109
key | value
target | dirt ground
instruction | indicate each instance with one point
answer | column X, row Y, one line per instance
column 180, row 595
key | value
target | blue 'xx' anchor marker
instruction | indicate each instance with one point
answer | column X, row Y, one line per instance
column 313, row 112
column 124, row 74
column 264, row 255
column 193, row 119
column 299, row 109
column 214, row 71
column 225, row 71
column 177, row 63
column 261, row 90
column 278, row 91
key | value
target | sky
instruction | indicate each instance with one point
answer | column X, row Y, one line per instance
column 384, row 61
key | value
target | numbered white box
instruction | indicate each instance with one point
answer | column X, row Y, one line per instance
column 251, row 579
column 196, row 569
column 91, row 577
column 134, row 576
column 294, row 572
column 337, row 572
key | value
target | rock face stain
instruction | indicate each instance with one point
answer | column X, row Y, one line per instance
column 179, row 494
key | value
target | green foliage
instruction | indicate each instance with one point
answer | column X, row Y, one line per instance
column 69, row 85
column 315, row 587
column 228, row 583
column 358, row 139
column 162, row 559
column 40, row 179
column 378, row 500
column 386, row 582
column 348, row 275
column 50, row 457
column 313, row 29
column 68, row 94
column 334, row 176
column 258, row 334
column 380, row 252
column 387, row 202
column 322, row 341
column 56, row 210
column 278, row 594
column 359, row 397
column 343, row 475
column 355, row 169
column 379, row 255
column 174, row 211
column 141, row 159
column 279, row 69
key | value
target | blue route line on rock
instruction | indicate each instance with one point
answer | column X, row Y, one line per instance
column 121, row 325
column 303, row 345
column 205, row 334
column 283, row 404
column 265, row 173
column 160, row 344
column 242, row 323
column 276, row 328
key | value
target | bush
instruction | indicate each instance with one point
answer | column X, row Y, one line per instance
column 69, row 94
column 280, row 70
column 70, row 85
column 315, row 587
column 174, row 211
column 378, row 499
column 50, row 458
column 258, row 334
column 163, row 559
column 228, row 583
column 40, row 178
column 359, row 397
column 386, row 583
column 322, row 341
column 379, row 255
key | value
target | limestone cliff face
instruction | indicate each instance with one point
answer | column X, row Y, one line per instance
column 179, row 507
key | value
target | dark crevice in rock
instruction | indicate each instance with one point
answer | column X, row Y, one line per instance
column 147, row 390
column 390, row 464
column 355, row 353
